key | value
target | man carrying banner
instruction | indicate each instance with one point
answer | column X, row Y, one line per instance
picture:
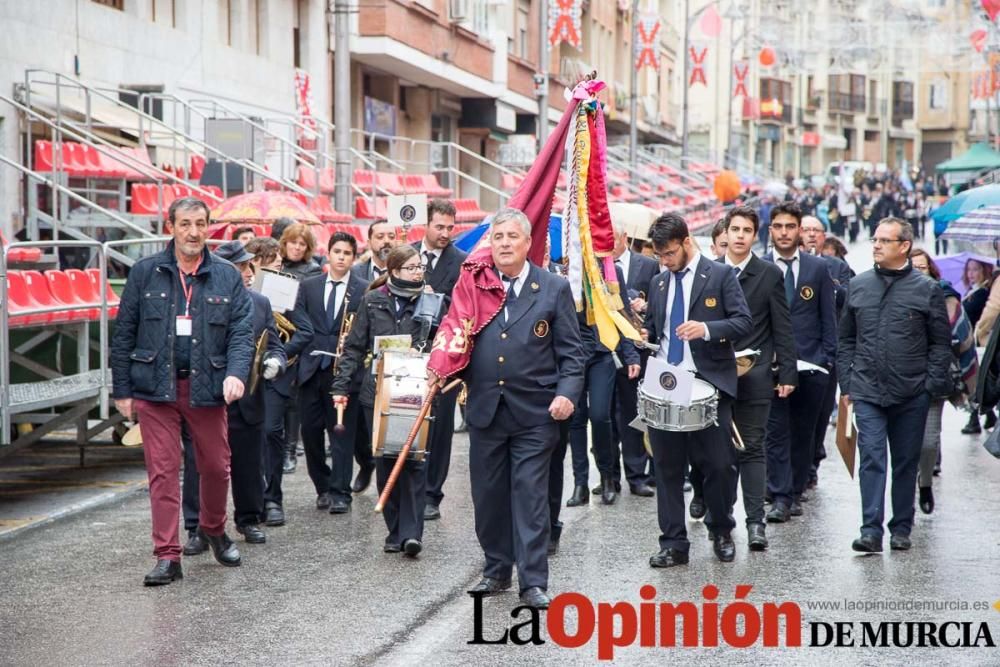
column 524, row 374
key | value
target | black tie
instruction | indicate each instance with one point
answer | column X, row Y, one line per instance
column 331, row 304
column 430, row 260
column 511, row 294
column 789, row 280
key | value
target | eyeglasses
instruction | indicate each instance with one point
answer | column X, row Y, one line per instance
column 415, row 268
column 877, row 241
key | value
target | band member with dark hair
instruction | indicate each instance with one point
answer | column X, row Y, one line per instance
column 696, row 310
column 442, row 261
column 328, row 300
column 246, row 422
column 381, row 240
column 791, row 426
column 771, row 336
column 386, row 310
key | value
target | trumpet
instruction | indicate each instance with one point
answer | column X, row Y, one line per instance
column 285, row 332
column 346, row 322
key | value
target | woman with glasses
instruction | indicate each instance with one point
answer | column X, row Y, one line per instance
column 964, row 349
column 387, row 310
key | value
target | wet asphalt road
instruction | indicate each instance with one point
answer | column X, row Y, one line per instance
column 322, row 592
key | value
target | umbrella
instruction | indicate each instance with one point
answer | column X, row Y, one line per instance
column 635, row 219
column 964, row 202
column 263, row 207
column 775, row 188
column 976, row 226
column 951, row 267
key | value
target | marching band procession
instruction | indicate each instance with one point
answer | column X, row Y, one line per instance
column 709, row 374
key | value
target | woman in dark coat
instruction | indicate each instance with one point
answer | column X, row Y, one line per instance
column 297, row 247
column 387, row 309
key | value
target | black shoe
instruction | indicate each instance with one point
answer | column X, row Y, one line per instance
column 668, row 558
column 165, row 572
column 553, row 548
column 697, row 507
column 339, row 506
column 536, row 598
column 323, row 501
column 990, row 421
column 288, row 467
column 644, row 490
column 972, row 428
column 926, row 499
column 779, row 513
column 223, row 548
column 757, row 537
column 274, row 515
column 431, row 512
column 252, row 534
column 795, row 509
column 868, row 544
column 362, row 480
column 491, row 586
column 900, row 542
column 412, row 547
column 724, row 548
column 608, row 495
column 391, row 548
column 579, row 497
column 195, row 545
column 599, row 488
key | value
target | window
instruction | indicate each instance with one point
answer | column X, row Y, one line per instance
column 521, row 28
column 226, row 20
column 164, row 11
column 938, row 98
column 114, row 4
column 254, row 23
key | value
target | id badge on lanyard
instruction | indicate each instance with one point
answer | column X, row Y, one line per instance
column 184, row 321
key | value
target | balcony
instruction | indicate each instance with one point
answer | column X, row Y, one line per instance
column 901, row 110
column 776, row 110
column 847, row 103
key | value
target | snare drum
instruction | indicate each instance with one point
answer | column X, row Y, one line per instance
column 400, row 388
column 662, row 414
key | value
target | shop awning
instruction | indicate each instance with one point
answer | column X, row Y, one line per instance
column 977, row 158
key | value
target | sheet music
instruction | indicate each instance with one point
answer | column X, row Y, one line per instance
column 280, row 289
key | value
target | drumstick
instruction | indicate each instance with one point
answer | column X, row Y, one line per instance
column 397, row 468
column 737, row 438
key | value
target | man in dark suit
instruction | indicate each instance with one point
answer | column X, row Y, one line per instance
column 327, row 300
column 639, row 272
column 381, row 239
column 442, row 261
column 791, row 427
column 245, row 427
column 695, row 312
column 525, row 374
column 813, row 237
column 763, row 287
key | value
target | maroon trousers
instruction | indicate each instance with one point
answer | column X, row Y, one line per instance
column 161, row 439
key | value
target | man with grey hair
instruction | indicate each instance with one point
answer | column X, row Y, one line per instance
column 893, row 358
column 524, row 376
column 182, row 351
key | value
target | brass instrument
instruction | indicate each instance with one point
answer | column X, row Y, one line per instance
column 346, row 322
column 285, row 332
column 258, row 362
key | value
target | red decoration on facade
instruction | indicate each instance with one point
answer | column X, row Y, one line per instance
column 648, row 29
column 741, row 71
column 767, row 56
column 564, row 22
column 698, row 65
column 992, row 8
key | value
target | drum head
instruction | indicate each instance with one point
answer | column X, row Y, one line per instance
column 701, row 390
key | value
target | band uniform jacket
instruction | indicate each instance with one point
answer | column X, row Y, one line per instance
column 641, row 271
column 764, row 290
column 529, row 359
column 325, row 333
column 717, row 300
column 445, row 274
column 813, row 308
column 250, row 408
column 298, row 341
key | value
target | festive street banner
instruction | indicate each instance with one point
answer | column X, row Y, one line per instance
column 741, row 70
column 564, row 22
column 648, row 31
column 303, row 106
column 697, row 54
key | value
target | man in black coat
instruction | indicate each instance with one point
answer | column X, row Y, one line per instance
column 894, row 356
column 327, row 300
column 696, row 310
column 524, row 375
column 763, row 287
column 442, row 261
column 791, row 427
column 639, row 272
column 246, row 425
column 381, row 239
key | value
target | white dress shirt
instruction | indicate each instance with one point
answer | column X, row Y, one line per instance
column 687, row 282
column 780, row 261
column 625, row 261
column 341, row 291
column 518, row 284
column 742, row 265
column 423, row 254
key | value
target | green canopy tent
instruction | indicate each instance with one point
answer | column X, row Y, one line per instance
column 977, row 158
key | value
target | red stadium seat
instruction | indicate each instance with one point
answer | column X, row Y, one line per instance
column 19, row 300
column 467, row 210
column 43, row 161
column 113, row 299
column 63, row 292
column 366, row 209
column 324, row 210
column 21, row 255
column 38, row 286
column 197, row 167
